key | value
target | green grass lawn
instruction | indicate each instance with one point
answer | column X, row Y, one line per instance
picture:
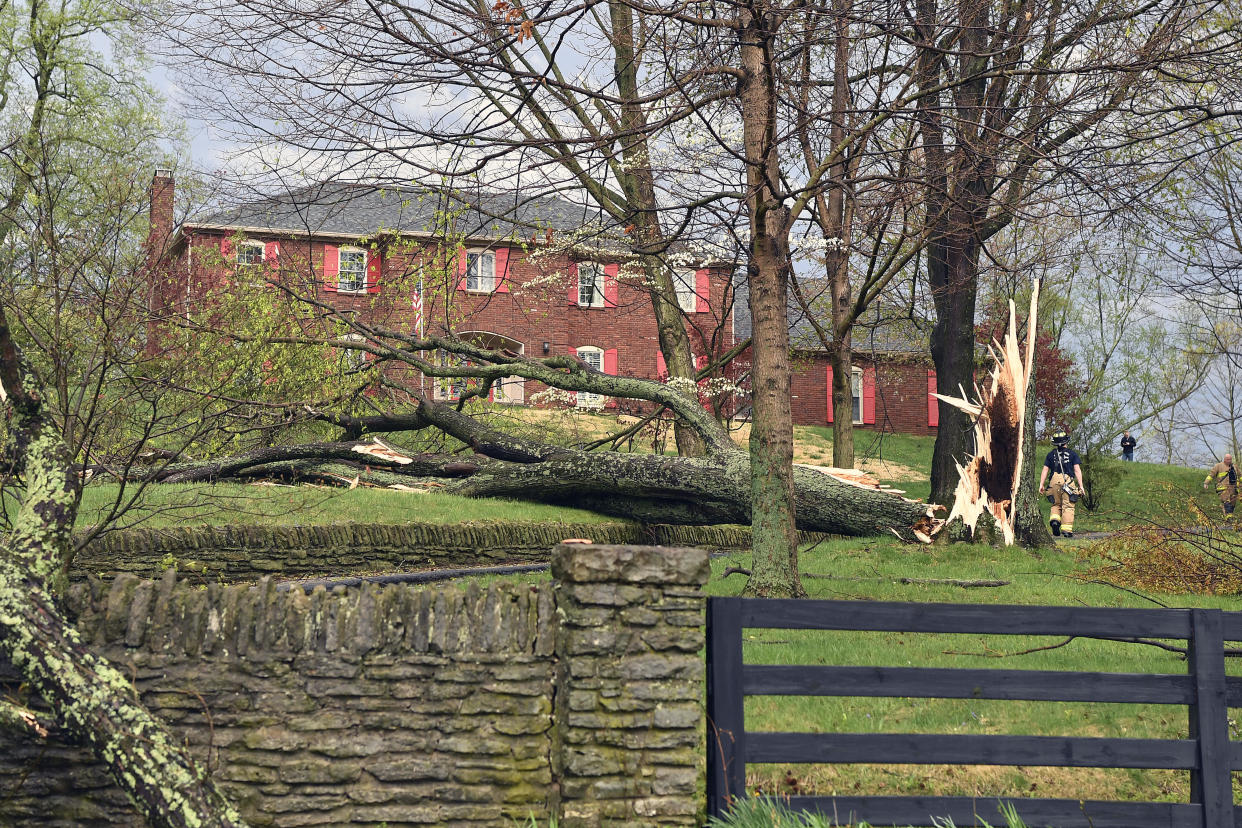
column 871, row 570
column 231, row 503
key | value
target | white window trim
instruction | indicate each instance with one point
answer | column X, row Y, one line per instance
column 340, row 270
column 856, row 381
column 250, row 245
column 448, row 389
column 598, row 297
column 481, row 256
column 586, row 400
column 353, row 361
column 685, row 278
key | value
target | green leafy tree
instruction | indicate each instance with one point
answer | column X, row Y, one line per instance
column 76, row 124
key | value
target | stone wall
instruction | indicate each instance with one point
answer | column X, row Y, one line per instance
column 578, row 699
column 243, row 553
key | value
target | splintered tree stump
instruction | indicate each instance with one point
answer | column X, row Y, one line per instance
column 987, row 488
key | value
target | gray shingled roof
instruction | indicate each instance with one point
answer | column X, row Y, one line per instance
column 878, row 331
column 364, row 209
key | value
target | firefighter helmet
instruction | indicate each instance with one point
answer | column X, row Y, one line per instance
column 1060, row 438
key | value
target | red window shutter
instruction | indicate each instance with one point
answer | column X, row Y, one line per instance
column 610, row 362
column 331, row 267
column 661, row 368
column 868, row 400
column 375, row 268
column 502, row 270
column 461, row 269
column 830, row 393
column 933, row 405
column 700, row 362
column 226, row 247
column 610, row 284
column 573, row 283
column 271, row 253
column 702, row 291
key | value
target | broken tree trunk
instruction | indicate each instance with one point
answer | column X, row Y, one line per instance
column 984, row 502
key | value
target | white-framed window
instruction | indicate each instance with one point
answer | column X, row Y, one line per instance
column 353, row 270
column 249, row 253
column 683, row 285
column 856, row 394
column 353, row 361
column 594, row 357
column 481, row 271
column 449, row 388
column 590, row 285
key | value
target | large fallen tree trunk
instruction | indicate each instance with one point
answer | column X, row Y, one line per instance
column 649, row 488
column 652, row 488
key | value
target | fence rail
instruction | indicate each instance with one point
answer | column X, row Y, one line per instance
column 1204, row 690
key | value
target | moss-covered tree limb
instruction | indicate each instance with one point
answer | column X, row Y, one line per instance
column 94, row 702
column 91, row 700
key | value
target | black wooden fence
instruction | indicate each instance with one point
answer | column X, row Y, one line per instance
column 1208, row 754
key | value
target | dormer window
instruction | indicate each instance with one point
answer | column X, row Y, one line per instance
column 353, row 272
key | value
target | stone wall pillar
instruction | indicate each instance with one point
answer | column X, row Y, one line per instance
column 629, row 685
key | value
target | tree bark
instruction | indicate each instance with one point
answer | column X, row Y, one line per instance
column 774, row 537
column 638, row 183
column 91, row 700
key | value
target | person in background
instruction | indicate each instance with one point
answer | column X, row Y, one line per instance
column 1225, row 475
column 1127, row 447
column 1066, row 487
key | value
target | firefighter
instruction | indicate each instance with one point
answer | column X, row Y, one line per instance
column 1066, row 487
column 1225, row 477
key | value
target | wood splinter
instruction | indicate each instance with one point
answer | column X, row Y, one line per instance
column 988, row 482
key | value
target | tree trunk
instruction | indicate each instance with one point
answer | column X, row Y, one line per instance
column 1029, row 526
column 694, row 491
column 774, row 568
column 836, row 229
column 91, row 700
column 839, row 358
column 638, row 184
column 94, row 703
column 954, row 282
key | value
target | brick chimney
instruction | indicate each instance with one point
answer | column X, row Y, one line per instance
column 161, row 212
column 161, row 290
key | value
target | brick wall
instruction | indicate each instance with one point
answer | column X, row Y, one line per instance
column 470, row 706
column 535, row 309
column 900, row 393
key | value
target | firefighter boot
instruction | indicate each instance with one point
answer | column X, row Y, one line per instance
column 1056, row 526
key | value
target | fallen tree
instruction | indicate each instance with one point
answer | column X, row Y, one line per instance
column 650, row 488
column 714, row 488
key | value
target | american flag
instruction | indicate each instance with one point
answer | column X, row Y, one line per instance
column 417, row 305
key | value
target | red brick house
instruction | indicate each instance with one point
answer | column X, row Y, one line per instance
column 511, row 282
column 528, row 277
